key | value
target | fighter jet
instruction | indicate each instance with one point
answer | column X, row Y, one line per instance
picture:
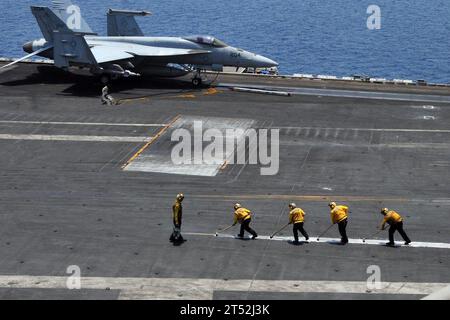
column 125, row 51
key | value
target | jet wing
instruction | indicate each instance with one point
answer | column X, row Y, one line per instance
column 105, row 54
column 113, row 51
column 147, row 51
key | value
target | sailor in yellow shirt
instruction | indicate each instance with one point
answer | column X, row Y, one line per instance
column 339, row 215
column 244, row 217
column 396, row 222
column 177, row 214
column 297, row 218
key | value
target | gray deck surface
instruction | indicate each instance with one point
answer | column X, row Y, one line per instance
column 66, row 202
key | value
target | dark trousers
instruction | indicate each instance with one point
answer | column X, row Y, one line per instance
column 342, row 230
column 397, row 227
column 245, row 225
column 299, row 227
column 176, row 234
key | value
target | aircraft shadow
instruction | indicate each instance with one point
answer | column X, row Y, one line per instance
column 300, row 243
column 83, row 84
column 46, row 75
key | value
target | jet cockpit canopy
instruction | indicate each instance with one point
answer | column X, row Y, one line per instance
column 207, row 40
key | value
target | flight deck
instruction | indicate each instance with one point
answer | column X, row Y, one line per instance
column 90, row 185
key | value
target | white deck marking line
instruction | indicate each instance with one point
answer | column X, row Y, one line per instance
column 289, row 197
column 43, row 137
column 203, row 289
column 85, row 123
column 354, row 94
column 366, row 129
column 313, row 239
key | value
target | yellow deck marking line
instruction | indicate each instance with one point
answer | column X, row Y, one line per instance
column 147, row 98
column 211, row 91
column 148, row 144
column 208, row 92
column 188, row 96
column 122, row 101
column 299, row 197
column 224, row 165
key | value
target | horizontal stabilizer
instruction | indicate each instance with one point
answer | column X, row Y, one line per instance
column 27, row 57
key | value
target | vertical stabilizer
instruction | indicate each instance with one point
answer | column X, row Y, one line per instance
column 48, row 22
column 70, row 14
column 122, row 23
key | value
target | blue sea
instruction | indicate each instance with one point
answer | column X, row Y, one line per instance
column 328, row 37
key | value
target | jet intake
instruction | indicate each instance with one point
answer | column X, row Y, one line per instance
column 217, row 67
column 213, row 67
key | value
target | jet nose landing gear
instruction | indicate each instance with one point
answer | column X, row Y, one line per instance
column 197, row 82
column 197, row 79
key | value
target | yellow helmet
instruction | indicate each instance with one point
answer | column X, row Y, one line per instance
column 180, row 197
column 384, row 210
column 332, row 205
column 237, row 206
column 292, row 205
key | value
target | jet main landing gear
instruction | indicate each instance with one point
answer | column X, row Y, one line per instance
column 105, row 79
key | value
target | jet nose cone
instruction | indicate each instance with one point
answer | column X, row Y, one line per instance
column 28, row 47
column 272, row 63
column 266, row 62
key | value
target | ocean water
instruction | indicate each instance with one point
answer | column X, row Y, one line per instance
column 304, row 36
